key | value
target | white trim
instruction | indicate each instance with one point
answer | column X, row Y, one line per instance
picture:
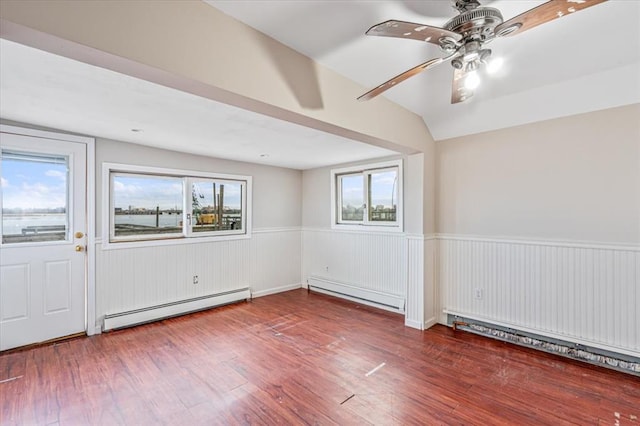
column 275, row 230
column 430, row 323
column 91, row 236
column 414, row 324
column 172, row 239
column 557, row 336
column 366, row 230
column 275, row 290
column 154, row 243
column 421, row 325
column 397, row 227
column 542, row 242
column 90, row 189
column 111, row 245
column 59, row 136
column 421, row 237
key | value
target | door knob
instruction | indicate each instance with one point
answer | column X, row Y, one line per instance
column 79, row 248
column 79, row 234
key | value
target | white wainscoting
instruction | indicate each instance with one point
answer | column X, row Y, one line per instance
column 369, row 260
column 135, row 278
column 414, row 316
column 584, row 293
column 386, row 263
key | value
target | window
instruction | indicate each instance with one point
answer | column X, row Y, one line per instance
column 369, row 195
column 35, row 197
column 158, row 204
column 216, row 205
column 146, row 206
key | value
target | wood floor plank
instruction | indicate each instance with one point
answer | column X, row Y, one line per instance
column 304, row 358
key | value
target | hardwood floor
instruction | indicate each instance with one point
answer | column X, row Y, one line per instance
column 299, row 358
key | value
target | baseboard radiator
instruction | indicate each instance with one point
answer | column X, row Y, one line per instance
column 167, row 310
column 373, row 298
column 591, row 355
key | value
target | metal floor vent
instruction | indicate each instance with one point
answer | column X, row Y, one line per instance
column 601, row 357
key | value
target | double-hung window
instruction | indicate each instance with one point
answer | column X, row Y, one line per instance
column 369, row 195
column 147, row 203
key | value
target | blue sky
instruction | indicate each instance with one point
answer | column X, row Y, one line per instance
column 35, row 184
column 29, row 184
column 166, row 192
column 382, row 189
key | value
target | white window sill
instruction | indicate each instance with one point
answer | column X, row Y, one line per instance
column 114, row 245
column 366, row 228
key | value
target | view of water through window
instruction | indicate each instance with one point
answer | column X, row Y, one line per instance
column 147, row 205
column 152, row 205
column 34, row 197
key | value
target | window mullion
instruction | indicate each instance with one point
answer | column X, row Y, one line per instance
column 112, row 215
column 367, row 197
column 187, row 207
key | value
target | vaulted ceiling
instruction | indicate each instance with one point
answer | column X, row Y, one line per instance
column 582, row 62
column 200, row 82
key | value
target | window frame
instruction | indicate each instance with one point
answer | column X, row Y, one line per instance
column 112, row 216
column 189, row 232
column 366, row 224
column 186, row 236
column 68, row 159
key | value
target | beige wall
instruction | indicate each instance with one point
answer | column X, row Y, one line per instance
column 418, row 188
column 316, row 198
column 277, row 195
column 574, row 178
column 316, row 190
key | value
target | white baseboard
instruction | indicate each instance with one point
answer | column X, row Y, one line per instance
column 275, row 290
column 430, row 323
column 413, row 324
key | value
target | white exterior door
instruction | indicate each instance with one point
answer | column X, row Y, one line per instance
column 43, row 247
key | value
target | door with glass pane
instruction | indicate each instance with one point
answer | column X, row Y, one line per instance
column 42, row 251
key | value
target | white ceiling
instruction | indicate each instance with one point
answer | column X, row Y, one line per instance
column 580, row 63
column 48, row 90
column 583, row 62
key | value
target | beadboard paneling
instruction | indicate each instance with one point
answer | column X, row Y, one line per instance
column 134, row 278
column 372, row 261
column 414, row 316
column 584, row 293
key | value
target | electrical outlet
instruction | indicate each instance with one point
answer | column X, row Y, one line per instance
column 326, row 268
column 478, row 293
column 195, row 279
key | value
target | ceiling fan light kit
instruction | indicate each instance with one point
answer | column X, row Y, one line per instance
column 463, row 37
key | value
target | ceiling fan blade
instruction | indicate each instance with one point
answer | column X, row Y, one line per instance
column 420, row 32
column 402, row 77
column 459, row 93
column 546, row 12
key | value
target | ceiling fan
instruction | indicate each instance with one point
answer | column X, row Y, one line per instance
column 463, row 37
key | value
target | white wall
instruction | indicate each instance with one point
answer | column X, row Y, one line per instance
column 384, row 262
column 544, row 220
column 134, row 278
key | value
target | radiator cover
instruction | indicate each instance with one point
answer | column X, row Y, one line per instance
column 167, row 310
column 591, row 355
column 389, row 302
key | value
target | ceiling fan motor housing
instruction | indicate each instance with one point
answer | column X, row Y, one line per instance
column 476, row 27
column 476, row 23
